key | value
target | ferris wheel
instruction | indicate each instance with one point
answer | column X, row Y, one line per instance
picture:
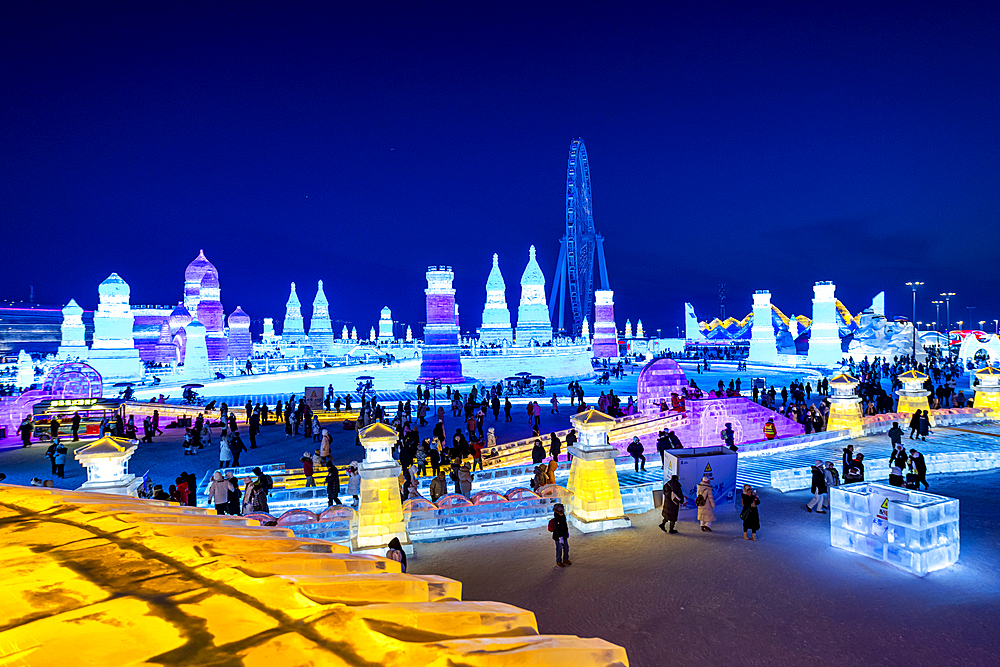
column 580, row 246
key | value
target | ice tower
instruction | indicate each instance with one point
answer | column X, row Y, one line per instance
column 533, row 314
column 441, row 359
column 605, row 332
column 596, row 503
column 292, row 330
column 320, row 329
column 824, row 341
column 240, row 345
column 73, row 344
column 211, row 315
column 113, row 352
column 496, row 315
column 196, row 354
column 763, row 345
column 385, row 334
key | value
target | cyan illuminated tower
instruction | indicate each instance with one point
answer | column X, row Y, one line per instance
column 73, row 344
column 196, row 353
column 763, row 345
column 292, row 330
column 441, row 358
column 113, row 352
column 533, row 322
column 320, row 329
column 605, row 333
column 385, row 333
column 496, row 316
column 824, row 341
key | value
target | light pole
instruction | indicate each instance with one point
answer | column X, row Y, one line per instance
column 996, row 324
column 937, row 313
column 947, row 309
column 913, row 321
column 970, row 309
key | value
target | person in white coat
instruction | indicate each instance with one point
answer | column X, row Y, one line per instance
column 218, row 491
column 353, row 482
column 225, row 454
column 705, row 501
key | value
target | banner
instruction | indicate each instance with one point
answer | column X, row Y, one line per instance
column 314, row 398
column 878, row 507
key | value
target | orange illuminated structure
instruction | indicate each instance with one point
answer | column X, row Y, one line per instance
column 95, row 579
column 845, row 405
column 912, row 396
column 593, row 480
column 988, row 391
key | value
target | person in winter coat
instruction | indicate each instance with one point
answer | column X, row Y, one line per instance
column 324, row 447
column 233, row 506
column 818, row 489
column 924, row 425
column 914, row 424
column 895, row 435
column 635, row 450
column 918, row 464
column 225, row 454
column 550, row 472
column 541, row 477
column 706, row 504
column 750, row 514
column 673, row 498
column 353, row 482
column 537, row 453
column 333, row 488
column 465, row 480
column 254, row 496
column 307, row 468
column 206, row 434
column 848, row 460
column 555, row 446
column 237, row 447
column 60, row 460
column 396, row 553
column 560, row 534
column 439, row 486
column 218, row 492
column 831, row 478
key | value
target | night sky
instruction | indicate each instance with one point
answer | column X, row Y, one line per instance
column 760, row 147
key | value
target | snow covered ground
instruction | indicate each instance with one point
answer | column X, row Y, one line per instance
column 717, row 599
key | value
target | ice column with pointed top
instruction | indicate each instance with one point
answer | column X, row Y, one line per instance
column 496, row 315
column 292, row 330
column 533, row 324
column 320, row 329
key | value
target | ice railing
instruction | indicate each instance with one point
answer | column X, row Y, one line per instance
column 919, row 534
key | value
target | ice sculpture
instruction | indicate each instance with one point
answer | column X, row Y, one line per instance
column 605, row 332
column 380, row 516
column 763, row 344
column 441, row 359
column 106, row 462
column 593, row 479
column 824, row 339
column 988, row 391
column 845, row 405
column 913, row 530
column 912, row 396
column 533, row 322
column 496, row 315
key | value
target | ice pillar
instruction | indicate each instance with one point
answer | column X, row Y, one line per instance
column 912, row 396
column 763, row 346
column 380, row 515
column 385, row 333
column 824, row 341
column 845, row 405
column 988, row 391
column 605, row 332
column 593, row 480
column 196, row 352
column 292, row 330
column 72, row 344
column 496, row 315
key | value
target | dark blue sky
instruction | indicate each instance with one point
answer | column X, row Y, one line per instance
column 760, row 146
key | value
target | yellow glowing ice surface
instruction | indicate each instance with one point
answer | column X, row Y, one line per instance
column 94, row 579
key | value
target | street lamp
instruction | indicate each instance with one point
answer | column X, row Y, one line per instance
column 947, row 307
column 913, row 320
column 937, row 314
column 982, row 325
column 996, row 324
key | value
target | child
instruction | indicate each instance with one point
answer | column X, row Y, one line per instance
column 560, row 533
column 307, row 468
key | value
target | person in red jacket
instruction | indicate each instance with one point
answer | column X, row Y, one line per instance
column 307, row 468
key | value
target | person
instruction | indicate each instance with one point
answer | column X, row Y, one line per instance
column 706, row 504
column 540, row 479
column 750, row 514
column 914, row 423
column 326, row 441
column 396, row 553
column 896, row 471
column 635, row 450
column 439, row 486
column 233, row 504
column 333, row 487
column 76, row 427
column 465, row 480
column 537, row 453
column 550, row 471
column 60, row 460
column 477, row 452
column 560, row 534
column 218, row 491
column 859, row 468
column 254, row 496
column 831, row 478
column 919, row 466
column 254, row 429
column 25, row 431
column 353, row 482
column 924, row 425
column 555, row 446
column 673, row 498
column 225, row 454
column 895, row 437
column 729, row 436
column 159, row 494
column 555, row 403
column 818, row 488
column 50, row 454
column 770, row 431
column 307, row 468
column 848, row 459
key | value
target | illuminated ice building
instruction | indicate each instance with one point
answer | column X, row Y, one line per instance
column 441, row 358
column 533, row 324
column 496, row 315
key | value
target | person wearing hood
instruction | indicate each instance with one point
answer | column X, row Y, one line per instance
column 918, row 464
column 635, row 450
column 324, row 448
column 705, row 501
column 465, row 480
column 673, row 498
column 225, row 454
column 848, row 460
column 237, row 447
column 254, row 496
column 750, row 515
column 550, row 472
column 233, row 507
column 218, row 492
column 541, row 477
column 307, row 468
column 353, row 482
column 818, row 488
column 831, row 478
column 397, row 554
column 333, row 487
column 537, row 453
column 560, row 534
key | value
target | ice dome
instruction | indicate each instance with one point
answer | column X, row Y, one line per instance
column 113, row 285
column 179, row 318
column 238, row 319
column 197, row 269
column 495, row 282
column 532, row 273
